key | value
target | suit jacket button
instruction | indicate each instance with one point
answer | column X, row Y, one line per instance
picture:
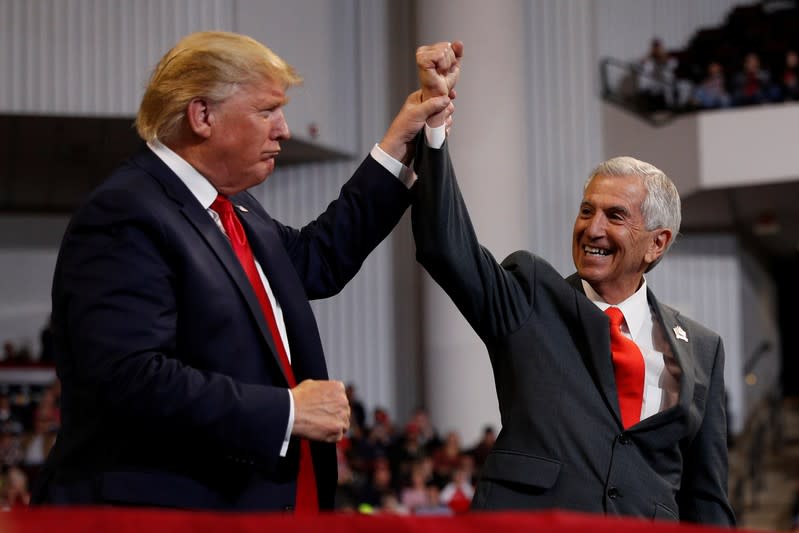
column 624, row 439
column 613, row 493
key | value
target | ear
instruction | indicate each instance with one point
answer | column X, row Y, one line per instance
column 199, row 117
column 661, row 238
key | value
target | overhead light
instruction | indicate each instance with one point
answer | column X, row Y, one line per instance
column 766, row 224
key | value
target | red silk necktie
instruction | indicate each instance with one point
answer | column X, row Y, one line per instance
column 307, row 500
column 628, row 366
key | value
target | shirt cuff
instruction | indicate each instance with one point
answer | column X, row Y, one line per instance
column 435, row 136
column 397, row 169
column 285, row 448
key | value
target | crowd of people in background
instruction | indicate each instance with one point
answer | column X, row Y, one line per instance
column 661, row 87
column 29, row 420
column 387, row 467
column 383, row 466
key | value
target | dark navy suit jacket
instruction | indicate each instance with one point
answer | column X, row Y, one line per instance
column 173, row 394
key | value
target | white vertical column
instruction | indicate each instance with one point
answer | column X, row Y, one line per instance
column 488, row 144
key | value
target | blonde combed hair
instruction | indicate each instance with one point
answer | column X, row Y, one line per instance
column 210, row 65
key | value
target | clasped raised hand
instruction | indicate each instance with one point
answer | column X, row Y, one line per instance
column 439, row 67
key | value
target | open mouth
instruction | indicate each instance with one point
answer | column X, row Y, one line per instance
column 590, row 250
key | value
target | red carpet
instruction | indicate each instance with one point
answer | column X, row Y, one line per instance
column 122, row 520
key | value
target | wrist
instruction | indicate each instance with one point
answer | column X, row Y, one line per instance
column 397, row 150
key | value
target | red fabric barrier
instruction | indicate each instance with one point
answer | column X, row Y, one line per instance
column 123, row 520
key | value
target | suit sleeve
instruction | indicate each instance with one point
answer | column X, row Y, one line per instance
column 703, row 494
column 115, row 308
column 328, row 252
column 492, row 299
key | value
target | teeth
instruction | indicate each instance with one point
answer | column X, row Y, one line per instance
column 595, row 251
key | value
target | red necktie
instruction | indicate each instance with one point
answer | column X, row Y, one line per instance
column 307, row 501
column 628, row 365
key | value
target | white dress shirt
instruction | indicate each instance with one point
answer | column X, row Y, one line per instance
column 662, row 374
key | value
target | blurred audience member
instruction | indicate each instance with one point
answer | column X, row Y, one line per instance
column 382, row 431
column 753, row 84
column 38, row 443
column 712, row 92
column 789, row 81
column 447, row 458
column 458, row 493
column 9, row 421
column 656, row 79
column 423, row 429
column 47, row 354
column 484, row 446
column 415, row 494
column 377, row 487
column 357, row 411
column 11, row 452
column 14, row 492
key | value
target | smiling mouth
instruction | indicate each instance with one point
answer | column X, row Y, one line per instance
column 590, row 250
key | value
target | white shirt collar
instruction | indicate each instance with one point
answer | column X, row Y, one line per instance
column 635, row 308
column 198, row 184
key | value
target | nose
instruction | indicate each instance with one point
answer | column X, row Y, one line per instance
column 281, row 127
column 595, row 226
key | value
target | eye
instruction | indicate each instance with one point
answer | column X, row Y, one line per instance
column 267, row 112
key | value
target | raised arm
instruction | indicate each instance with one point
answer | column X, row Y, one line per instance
column 492, row 297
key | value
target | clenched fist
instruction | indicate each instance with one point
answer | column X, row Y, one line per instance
column 439, row 66
column 321, row 410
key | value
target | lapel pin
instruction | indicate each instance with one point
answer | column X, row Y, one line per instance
column 680, row 333
column 242, row 209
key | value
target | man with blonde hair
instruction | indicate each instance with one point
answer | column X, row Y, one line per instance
column 611, row 402
column 191, row 365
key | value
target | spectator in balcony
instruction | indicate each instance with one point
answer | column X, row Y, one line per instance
column 192, row 370
column 712, row 91
column 753, row 84
column 789, row 80
column 656, row 78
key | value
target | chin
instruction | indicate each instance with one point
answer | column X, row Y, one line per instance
column 590, row 274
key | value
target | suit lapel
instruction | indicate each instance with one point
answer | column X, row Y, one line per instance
column 596, row 328
column 681, row 349
column 216, row 240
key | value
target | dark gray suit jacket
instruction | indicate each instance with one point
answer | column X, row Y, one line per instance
column 562, row 444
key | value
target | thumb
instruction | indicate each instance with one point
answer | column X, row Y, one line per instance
column 434, row 105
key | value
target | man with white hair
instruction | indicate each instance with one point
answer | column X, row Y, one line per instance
column 611, row 402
